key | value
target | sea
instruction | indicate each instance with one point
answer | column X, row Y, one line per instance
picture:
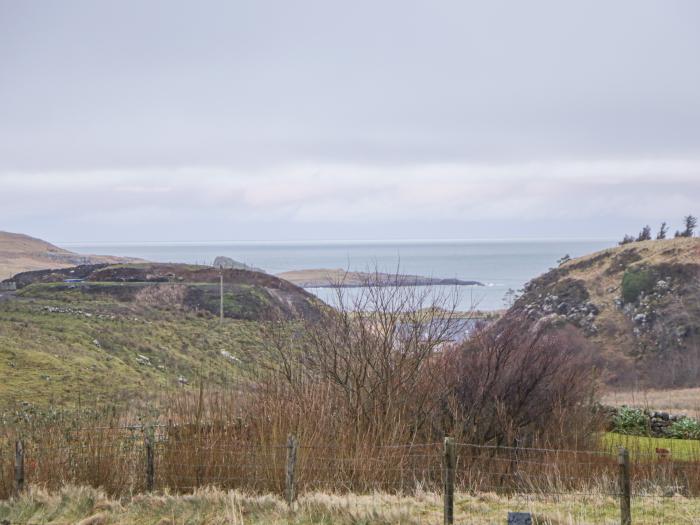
column 500, row 265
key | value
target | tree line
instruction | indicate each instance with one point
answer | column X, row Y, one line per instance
column 690, row 221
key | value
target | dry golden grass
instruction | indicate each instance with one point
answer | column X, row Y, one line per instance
column 87, row 506
column 21, row 253
column 603, row 284
column 682, row 249
column 684, row 401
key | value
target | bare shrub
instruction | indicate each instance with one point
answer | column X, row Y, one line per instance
column 388, row 369
column 371, row 357
column 511, row 386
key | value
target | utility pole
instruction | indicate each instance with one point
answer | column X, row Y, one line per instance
column 221, row 295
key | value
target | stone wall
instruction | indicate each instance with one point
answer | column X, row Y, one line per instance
column 658, row 423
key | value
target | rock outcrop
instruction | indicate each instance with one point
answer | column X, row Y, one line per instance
column 226, row 263
column 639, row 304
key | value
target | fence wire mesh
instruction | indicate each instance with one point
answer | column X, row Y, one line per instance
column 405, row 480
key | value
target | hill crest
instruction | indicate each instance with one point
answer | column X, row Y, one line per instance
column 128, row 332
column 22, row 253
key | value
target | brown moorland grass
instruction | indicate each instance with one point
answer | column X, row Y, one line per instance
column 21, row 253
column 238, row 441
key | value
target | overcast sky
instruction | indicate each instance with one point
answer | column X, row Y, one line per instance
column 237, row 120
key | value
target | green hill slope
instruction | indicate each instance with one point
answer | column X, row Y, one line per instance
column 638, row 303
column 132, row 331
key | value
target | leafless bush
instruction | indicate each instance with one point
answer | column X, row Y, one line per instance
column 372, row 357
column 386, row 363
column 511, row 385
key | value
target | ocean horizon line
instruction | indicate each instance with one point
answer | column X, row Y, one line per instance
column 333, row 241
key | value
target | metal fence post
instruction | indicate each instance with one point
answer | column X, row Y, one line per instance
column 623, row 460
column 449, row 462
column 290, row 492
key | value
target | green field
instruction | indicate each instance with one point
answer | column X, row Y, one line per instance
column 641, row 447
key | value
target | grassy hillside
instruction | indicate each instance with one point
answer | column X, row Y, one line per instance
column 132, row 331
column 21, row 253
column 638, row 303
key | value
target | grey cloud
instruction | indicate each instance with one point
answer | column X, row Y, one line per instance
column 255, row 83
column 318, row 119
column 441, row 200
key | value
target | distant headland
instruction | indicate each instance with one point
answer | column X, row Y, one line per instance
column 331, row 278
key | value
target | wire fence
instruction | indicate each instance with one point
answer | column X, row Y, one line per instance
column 133, row 459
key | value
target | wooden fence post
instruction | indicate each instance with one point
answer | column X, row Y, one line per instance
column 290, row 492
column 19, row 467
column 449, row 463
column 150, row 464
column 623, row 460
